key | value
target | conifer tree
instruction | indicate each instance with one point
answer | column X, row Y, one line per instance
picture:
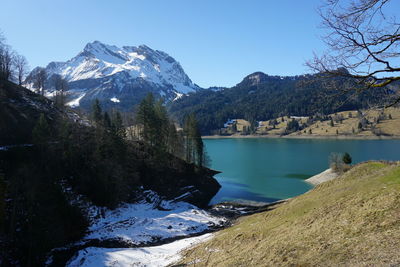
column 106, row 121
column 346, row 158
column 96, row 112
column 194, row 147
column 146, row 118
column 118, row 125
column 41, row 131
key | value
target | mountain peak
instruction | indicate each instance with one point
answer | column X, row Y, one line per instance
column 93, row 46
column 110, row 72
column 255, row 78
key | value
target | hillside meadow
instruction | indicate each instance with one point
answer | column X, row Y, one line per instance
column 352, row 220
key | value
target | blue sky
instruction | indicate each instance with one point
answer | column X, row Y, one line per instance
column 217, row 42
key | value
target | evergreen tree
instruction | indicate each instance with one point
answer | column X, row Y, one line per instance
column 332, row 123
column 106, row 121
column 117, row 125
column 161, row 126
column 41, row 132
column 346, row 158
column 194, row 146
column 156, row 129
column 146, row 118
column 96, row 112
column 292, row 126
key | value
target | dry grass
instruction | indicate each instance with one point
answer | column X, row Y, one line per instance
column 242, row 124
column 348, row 127
column 353, row 220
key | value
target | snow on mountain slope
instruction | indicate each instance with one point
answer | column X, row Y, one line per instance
column 108, row 72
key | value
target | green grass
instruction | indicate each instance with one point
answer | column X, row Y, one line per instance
column 352, row 220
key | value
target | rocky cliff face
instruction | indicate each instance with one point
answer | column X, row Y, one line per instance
column 118, row 77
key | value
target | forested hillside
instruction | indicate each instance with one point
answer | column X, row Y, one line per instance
column 261, row 97
column 54, row 161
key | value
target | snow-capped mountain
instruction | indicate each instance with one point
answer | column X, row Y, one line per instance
column 117, row 76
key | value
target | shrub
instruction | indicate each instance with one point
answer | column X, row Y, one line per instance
column 336, row 163
column 346, row 158
column 331, row 123
column 292, row 126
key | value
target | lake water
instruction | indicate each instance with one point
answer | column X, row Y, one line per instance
column 263, row 169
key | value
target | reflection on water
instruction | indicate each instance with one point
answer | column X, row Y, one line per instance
column 231, row 191
column 298, row 176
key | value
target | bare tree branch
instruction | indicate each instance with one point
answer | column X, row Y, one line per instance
column 363, row 40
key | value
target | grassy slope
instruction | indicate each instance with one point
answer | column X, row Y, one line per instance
column 353, row 220
column 387, row 127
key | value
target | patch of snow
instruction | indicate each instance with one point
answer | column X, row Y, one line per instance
column 150, row 256
column 150, row 220
column 298, row 117
column 178, row 95
column 140, row 223
column 115, row 100
column 50, row 94
column 75, row 103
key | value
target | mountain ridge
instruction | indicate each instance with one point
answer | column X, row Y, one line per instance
column 124, row 74
column 261, row 97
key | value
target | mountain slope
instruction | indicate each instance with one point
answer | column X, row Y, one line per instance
column 19, row 111
column 350, row 221
column 51, row 168
column 369, row 123
column 261, row 97
column 118, row 77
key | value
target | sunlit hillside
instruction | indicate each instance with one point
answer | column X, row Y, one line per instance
column 351, row 221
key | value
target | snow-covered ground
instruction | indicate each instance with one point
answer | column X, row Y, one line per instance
column 149, row 256
column 144, row 223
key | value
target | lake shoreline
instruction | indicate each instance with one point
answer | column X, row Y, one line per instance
column 322, row 177
column 332, row 137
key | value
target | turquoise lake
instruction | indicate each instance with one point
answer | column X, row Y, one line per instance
column 263, row 169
